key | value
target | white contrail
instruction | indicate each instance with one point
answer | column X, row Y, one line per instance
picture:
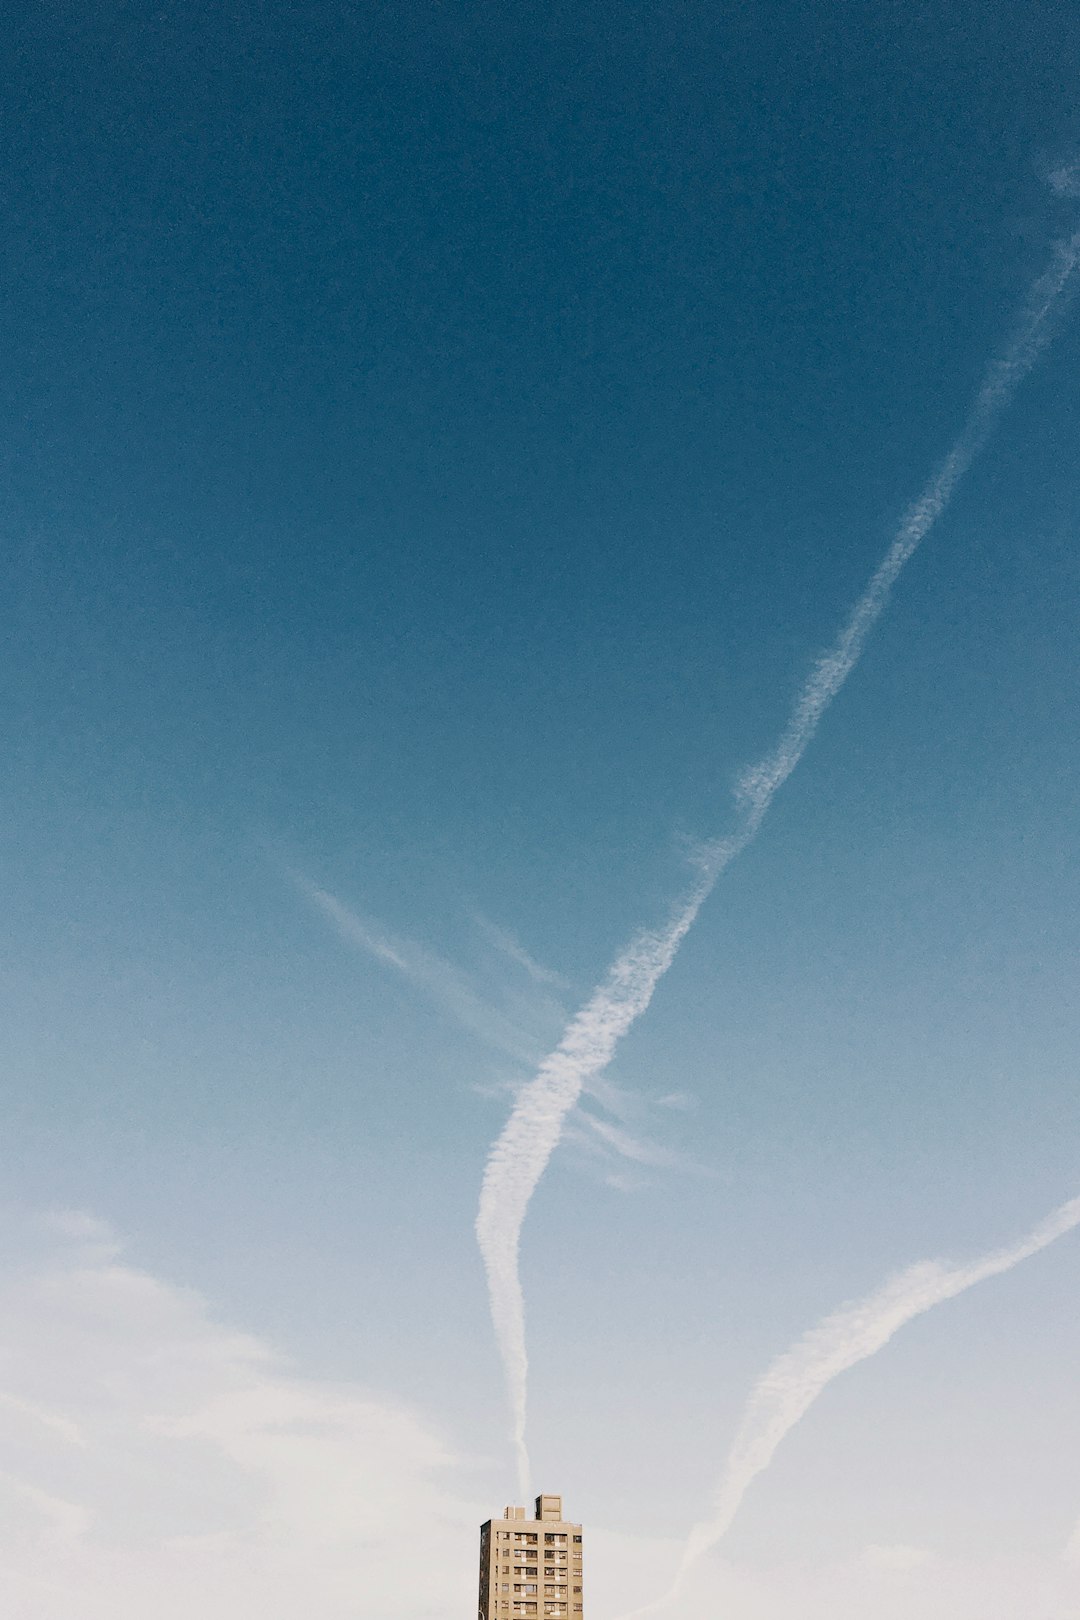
column 795, row 1380
column 521, row 1153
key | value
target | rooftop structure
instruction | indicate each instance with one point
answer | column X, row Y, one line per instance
column 530, row 1569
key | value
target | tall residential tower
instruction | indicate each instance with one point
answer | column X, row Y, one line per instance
column 530, row 1567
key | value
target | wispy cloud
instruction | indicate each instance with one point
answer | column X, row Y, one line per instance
column 787, row 1390
column 885, row 1581
column 43, row 1417
column 1065, row 179
column 355, row 929
column 623, row 1142
column 216, row 1479
column 512, row 947
column 638, row 1148
column 520, row 1154
column 618, row 1100
column 96, row 1239
column 511, row 1025
column 209, row 1477
column 610, row 1150
column 896, row 1555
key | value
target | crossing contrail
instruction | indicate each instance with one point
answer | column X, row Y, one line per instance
column 787, row 1390
column 520, row 1154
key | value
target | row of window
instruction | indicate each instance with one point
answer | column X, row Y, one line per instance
column 552, row 1561
column 528, row 1594
column 532, row 1572
column 530, row 1553
column 528, row 1538
column 549, row 1608
column 558, row 1590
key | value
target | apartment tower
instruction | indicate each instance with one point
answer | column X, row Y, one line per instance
column 530, row 1567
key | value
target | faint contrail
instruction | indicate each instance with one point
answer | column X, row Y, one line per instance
column 795, row 1380
column 445, row 984
column 519, row 1156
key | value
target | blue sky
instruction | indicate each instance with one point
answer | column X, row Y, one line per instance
column 436, row 445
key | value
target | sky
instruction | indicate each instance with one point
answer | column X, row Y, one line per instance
column 438, row 444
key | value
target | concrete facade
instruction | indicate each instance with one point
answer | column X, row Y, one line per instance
column 530, row 1569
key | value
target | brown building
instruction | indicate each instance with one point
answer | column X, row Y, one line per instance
column 530, row 1567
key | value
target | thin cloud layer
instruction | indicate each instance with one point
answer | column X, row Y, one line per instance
column 521, row 1153
column 787, row 1390
column 885, row 1582
column 154, row 1461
